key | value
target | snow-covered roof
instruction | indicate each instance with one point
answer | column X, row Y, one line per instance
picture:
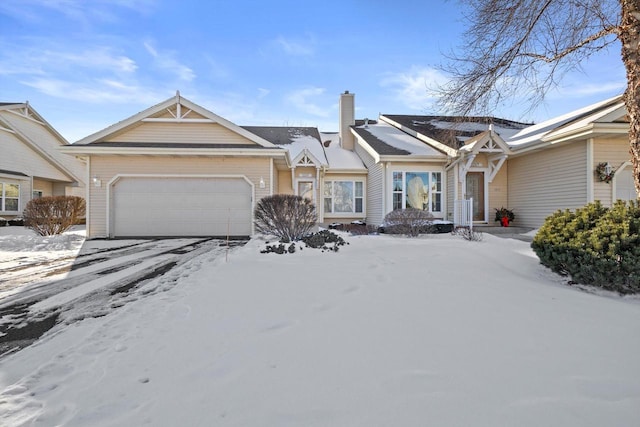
column 389, row 140
column 293, row 139
column 456, row 130
column 338, row 157
column 566, row 122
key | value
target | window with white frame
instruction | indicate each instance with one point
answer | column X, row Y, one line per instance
column 344, row 197
column 418, row 190
column 9, row 197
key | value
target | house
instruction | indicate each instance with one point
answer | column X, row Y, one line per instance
column 177, row 169
column 31, row 164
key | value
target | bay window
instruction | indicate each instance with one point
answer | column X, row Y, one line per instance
column 418, row 190
column 344, row 197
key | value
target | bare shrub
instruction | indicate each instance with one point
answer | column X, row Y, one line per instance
column 53, row 215
column 285, row 216
column 468, row 234
column 410, row 222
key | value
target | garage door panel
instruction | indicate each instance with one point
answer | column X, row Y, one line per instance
column 181, row 207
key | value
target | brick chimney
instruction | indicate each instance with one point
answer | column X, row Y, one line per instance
column 347, row 119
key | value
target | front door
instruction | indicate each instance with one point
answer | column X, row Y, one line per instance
column 305, row 190
column 475, row 189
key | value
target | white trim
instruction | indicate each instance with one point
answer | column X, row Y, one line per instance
column 353, row 214
column 614, row 181
column 485, row 171
column 118, row 177
column 422, row 169
column 87, row 201
column 589, row 172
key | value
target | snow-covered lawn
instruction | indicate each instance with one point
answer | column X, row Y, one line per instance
column 434, row 331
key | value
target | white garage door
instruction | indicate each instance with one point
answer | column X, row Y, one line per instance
column 149, row 206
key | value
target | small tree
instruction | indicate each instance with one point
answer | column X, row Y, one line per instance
column 53, row 215
column 285, row 216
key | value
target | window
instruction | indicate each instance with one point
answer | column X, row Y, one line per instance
column 418, row 190
column 344, row 197
column 9, row 197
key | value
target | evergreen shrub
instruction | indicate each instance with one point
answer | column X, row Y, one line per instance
column 594, row 245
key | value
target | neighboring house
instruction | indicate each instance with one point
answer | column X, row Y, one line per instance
column 177, row 169
column 31, row 164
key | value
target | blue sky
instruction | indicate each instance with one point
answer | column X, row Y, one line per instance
column 86, row 64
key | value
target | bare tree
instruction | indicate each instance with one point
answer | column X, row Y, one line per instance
column 516, row 45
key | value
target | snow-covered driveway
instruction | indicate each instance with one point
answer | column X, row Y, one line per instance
column 43, row 278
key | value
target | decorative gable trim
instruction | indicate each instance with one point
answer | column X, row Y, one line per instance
column 174, row 106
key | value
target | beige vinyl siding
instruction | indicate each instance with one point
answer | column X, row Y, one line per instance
column 50, row 144
column 615, row 151
column 45, row 186
column 18, row 157
column 498, row 192
column 450, row 180
column 544, row 181
column 106, row 167
column 177, row 132
column 285, row 186
column 375, row 187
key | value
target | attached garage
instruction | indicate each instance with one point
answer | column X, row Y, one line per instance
column 154, row 206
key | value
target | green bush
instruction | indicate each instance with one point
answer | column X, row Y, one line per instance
column 594, row 245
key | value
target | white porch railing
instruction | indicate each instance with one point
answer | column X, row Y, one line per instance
column 463, row 213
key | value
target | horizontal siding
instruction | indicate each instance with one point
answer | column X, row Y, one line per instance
column 542, row 182
column 47, row 142
column 615, row 151
column 18, row 157
column 285, row 186
column 451, row 174
column 106, row 167
column 45, row 186
column 375, row 187
column 204, row 133
column 498, row 192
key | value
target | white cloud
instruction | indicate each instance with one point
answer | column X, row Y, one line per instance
column 295, row 47
column 95, row 91
column 414, row 88
column 300, row 100
column 80, row 11
column 263, row 92
column 166, row 61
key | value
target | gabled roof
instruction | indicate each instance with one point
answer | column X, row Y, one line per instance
column 387, row 140
column 454, row 131
column 296, row 140
column 161, row 108
column 608, row 116
column 26, row 125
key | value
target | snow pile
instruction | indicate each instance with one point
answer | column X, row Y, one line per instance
column 24, row 239
column 389, row 331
